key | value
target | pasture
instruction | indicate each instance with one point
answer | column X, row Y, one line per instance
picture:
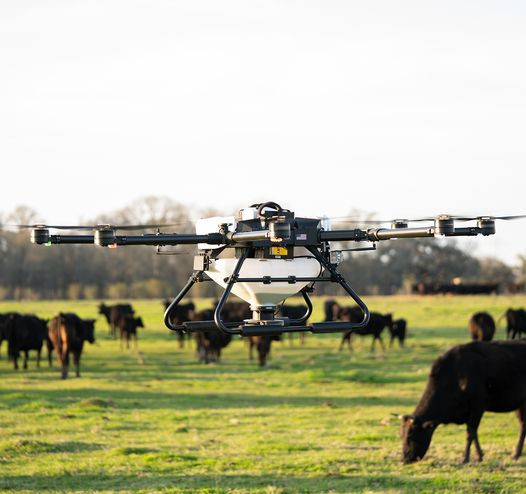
column 314, row 420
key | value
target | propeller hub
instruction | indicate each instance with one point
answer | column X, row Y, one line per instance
column 39, row 236
column 399, row 224
column 486, row 225
column 104, row 237
column 444, row 225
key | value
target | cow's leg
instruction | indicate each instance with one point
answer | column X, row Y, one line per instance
column 372, row 344
column 38, row 357
column 472, row 435
column 302, row 337
column 26, row 356
column 180, row 336
column 345, row 338
column 65, row 363
column 76, row 361
column 391, row 341
column 381, row 342
column 521, row 415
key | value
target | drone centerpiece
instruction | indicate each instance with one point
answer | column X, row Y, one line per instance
column 264, row 255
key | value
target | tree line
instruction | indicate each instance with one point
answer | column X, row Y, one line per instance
column 83, row 271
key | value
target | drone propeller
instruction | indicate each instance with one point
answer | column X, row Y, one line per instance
column 489, row 217
column 100, row 226
column 429, row 218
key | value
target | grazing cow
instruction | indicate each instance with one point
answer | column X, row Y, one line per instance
column 209, row 343
column 24, row 333
column 293, row 312
column 398, row 330
column 235, row 311
column 516, row 323
column 481, row 326
column 465, row 382
column 375, row 326
column 262, row 344
column 332, row 310
column 181, row 313
column 128, row 325
column 113, row 313
column 67, row 333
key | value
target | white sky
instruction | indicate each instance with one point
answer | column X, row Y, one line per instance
column 400, row 108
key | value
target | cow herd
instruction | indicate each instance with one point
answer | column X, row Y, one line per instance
column 482, row 326
column 209, row 344
column 376, row 325
column 64, row 334
column 464, row 382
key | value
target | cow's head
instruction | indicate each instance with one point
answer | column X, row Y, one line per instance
column 102, row 308
column 89, row 329
column 416, row 437
column 190, row 315
column 138, row 322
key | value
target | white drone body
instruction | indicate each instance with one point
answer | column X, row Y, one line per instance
column 257, row 294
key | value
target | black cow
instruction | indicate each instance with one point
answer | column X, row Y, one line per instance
column 516, row 323
column 332, row 310
column 375, row 326
column 24, row 333
column 128, row 325
column 209, row 343
column 113, row 313
column 235, row 311
column 465, row 382
column 181, row 313
column 481, row 326
column 294, row 312
column 67, row 333
column 398, row 330
column 262, row 345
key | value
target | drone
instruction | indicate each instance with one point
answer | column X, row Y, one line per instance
column 265, row 254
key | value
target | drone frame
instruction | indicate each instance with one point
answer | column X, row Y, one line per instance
column 276, row 326
column 271, row 226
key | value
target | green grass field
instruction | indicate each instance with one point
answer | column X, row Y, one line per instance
column 314, row 420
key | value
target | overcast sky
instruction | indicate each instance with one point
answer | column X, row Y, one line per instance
column 399, row 108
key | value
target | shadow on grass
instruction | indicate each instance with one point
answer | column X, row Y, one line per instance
column 32, row 447
column 98, row 398
column 74, row 482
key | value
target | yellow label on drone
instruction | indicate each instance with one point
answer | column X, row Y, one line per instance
column 278, row 251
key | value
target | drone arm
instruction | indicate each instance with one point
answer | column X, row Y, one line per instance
column 107, row 238
column 170, row 239
column 376, row 234
column 343, row 235
column 67, row 239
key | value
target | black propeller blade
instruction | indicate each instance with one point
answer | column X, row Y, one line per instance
column 101, row 226
column 427, row 219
